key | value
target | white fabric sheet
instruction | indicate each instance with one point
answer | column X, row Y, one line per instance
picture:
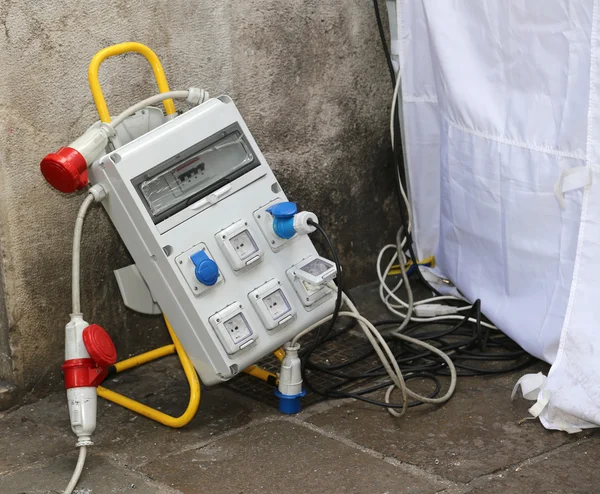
column 498, row 106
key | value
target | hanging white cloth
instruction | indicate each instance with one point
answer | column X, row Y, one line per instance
column 502, row 135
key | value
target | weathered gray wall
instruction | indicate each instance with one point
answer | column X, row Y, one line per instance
column 308, row 76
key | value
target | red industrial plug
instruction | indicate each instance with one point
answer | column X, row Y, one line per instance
column 82, row 372
column 89, row 351
column 66, row 170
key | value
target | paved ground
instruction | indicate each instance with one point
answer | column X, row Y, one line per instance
column 238, row 445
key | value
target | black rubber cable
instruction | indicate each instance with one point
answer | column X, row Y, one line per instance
column 386, row 50
column 321, row 337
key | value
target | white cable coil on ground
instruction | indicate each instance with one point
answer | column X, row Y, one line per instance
column 387, row 358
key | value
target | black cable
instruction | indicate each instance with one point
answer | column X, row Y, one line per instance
column 359, row 395
column 397, row 148
column 321, row 337
column 386, row 50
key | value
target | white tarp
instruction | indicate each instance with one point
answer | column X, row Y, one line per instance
column 501, row 119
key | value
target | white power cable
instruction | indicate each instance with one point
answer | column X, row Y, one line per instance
column 409, row 293
column 96, row 193
column 397, row 95
column 396, row 333
column 397, row 99
column 152, row 100
column 78, row 470
column 386, row 356
column 390, row 293
column 75, row 272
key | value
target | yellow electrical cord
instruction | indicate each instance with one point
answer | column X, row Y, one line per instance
column 119, row 49
column 146, row 411
column 190, row 373
column 144, row 358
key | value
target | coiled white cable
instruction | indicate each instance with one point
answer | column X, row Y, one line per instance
column 386, row 356
column 386, row 293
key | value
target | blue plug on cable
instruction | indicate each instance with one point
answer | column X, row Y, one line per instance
column 289, row 389
column 287, row 221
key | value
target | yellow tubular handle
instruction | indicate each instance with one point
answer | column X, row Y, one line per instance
column 147, row 411
column 119, row 49
column 144, row 358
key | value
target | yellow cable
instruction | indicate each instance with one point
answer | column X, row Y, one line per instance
column 151, row 413
column 119, row 49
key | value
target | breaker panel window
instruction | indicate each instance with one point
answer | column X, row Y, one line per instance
column 195, row 173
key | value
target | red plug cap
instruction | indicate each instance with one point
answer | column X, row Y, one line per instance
column 99, row 345
column 65, row 170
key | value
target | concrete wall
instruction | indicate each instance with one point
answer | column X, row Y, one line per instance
column 308, row 76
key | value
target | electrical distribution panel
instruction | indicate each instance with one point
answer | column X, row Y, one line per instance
column 190, row 201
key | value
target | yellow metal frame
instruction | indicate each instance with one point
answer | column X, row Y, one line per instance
column 176, row 347
column 146, row 411
column 119, row 49
column 190, row 374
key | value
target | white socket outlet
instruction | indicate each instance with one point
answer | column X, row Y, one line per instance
column 244, row 245
column 272, row 303
column 277, row 304
column 238, row 329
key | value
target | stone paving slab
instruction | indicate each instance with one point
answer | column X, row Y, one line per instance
column 574, row 471
column 474, row 434
column 98, row 477
column 238, row 445
column 26, row 439
column 284, row 457
column 221, row 410
column 36, row 431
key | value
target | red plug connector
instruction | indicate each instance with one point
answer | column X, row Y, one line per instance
column 89, row 351
column 66, row 170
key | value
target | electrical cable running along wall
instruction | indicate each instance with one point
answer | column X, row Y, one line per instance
column 502, row 173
